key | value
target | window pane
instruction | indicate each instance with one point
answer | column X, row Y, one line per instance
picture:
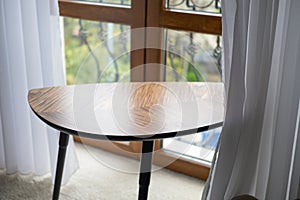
column 213, row 6
column 96, row 51
column 199, row 146
column 116, row 2
column 192, row 57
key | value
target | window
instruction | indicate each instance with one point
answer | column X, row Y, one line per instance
column 191, row 27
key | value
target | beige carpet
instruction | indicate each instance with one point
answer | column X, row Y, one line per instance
column 96, row 181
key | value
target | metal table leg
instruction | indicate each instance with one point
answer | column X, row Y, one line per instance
column 63, row 143
column 145, row 169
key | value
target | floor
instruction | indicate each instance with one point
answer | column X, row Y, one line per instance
column 102, row 176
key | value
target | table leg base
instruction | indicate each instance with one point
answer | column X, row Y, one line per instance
column 143, row 192
column 63, row 143
column 145, row 169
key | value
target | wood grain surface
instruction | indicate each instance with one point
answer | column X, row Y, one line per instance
column 130, row 111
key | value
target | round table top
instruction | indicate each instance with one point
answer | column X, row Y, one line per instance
column 130, row 111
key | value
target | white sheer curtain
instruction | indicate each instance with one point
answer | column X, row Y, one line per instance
column 262, row 79
column 31, row 57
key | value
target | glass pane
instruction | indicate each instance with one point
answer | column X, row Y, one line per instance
column 96, row 51
column 213, row 6
column 200, row 146
column 115, row 2
column 192, row 57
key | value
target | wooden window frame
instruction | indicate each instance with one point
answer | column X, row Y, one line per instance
column 135, row 16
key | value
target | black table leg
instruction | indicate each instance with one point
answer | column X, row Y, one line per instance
column 63, row 143
column 145, row 169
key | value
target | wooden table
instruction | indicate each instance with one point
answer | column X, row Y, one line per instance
column 136, row 111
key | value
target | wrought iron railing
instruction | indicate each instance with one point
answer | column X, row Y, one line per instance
column 195, row 5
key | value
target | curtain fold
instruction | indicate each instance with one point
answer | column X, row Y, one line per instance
column 31, row 57
column 261, row 42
